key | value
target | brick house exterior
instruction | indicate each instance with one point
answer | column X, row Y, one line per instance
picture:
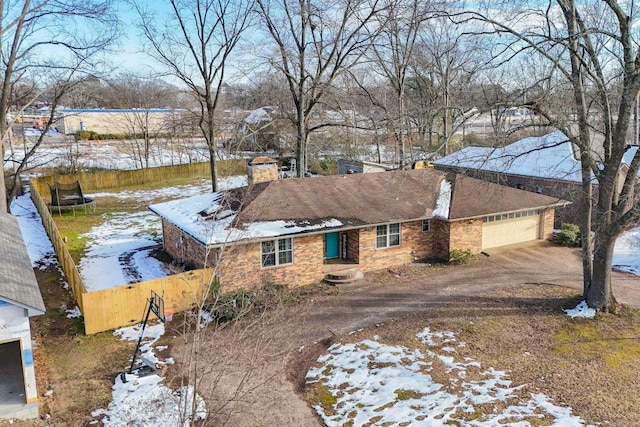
column 295, row 232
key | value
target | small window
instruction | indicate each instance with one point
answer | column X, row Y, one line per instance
column 277, row 252
column 512, row 215
column 387, row 235
column 426, row 225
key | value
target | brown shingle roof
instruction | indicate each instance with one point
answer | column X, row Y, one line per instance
column 376, row 198
column 18, row 283
column 474, row 197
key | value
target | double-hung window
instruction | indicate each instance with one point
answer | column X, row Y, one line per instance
column 277, row 252
column 387, row 235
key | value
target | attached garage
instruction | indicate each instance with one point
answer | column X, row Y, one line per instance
column 510, row 228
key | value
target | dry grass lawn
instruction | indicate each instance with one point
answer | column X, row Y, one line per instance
column 592, row 366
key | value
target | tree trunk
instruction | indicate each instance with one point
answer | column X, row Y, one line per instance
column 210, row 137
column 599, row 293
column 4, row 206
column 301, row 144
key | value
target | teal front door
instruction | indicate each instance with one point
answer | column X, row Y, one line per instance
column 332, row 242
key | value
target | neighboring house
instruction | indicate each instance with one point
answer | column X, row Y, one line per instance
column 547, row 164
column 297, row 231
column 260, row 131
column 122, row 121
column 346, row 166
column 20, row 299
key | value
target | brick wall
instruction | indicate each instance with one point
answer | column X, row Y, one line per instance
column 547, row 223
column 466, row 235
column 182, row 247
column 414, row 245
column 441, row 230
column 353, row 244
column 241, row 265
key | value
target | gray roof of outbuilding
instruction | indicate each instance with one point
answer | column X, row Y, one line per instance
column 18, row 284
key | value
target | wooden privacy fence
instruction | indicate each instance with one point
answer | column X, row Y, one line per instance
column 64, row 257
column 128, row 178
column 124, row 305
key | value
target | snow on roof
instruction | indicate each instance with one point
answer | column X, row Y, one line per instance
column 186, row 215
column 120, row 110
column 259, row 115
column 288, row 207
column 444, row 200
column 548, row 156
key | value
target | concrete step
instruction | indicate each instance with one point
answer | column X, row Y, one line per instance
column 344, row 276
column 18, row 410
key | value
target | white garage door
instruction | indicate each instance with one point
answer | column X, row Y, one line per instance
column 507, row 229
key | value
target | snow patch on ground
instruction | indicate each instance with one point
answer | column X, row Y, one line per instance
column 109, row 259
column 145, row 401
column 39, row 246
column 379, row 384
column 118, row 251
column 582, row 310
column 73, row 313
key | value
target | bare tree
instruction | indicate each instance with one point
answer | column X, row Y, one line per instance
column 450, row 60
column 393, row 54
column 194, row 42
column 590, row 52
column 316, row 43
column 44, row 38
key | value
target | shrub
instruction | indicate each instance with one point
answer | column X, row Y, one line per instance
column 86, row 135
column 460, row 256
column 569, row 235
column 230, row 306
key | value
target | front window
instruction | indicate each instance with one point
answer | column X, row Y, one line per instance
column 387, row 235
column 277, row 252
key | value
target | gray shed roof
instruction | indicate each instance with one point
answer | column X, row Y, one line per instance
column 18, row 284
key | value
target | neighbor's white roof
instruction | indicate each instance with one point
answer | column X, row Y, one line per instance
column 549, row 156
column 185, row 214
column 258, row 115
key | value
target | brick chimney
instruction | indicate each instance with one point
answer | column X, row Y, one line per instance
column 262, row 169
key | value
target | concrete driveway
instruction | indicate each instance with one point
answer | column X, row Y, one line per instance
column 367, row 303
